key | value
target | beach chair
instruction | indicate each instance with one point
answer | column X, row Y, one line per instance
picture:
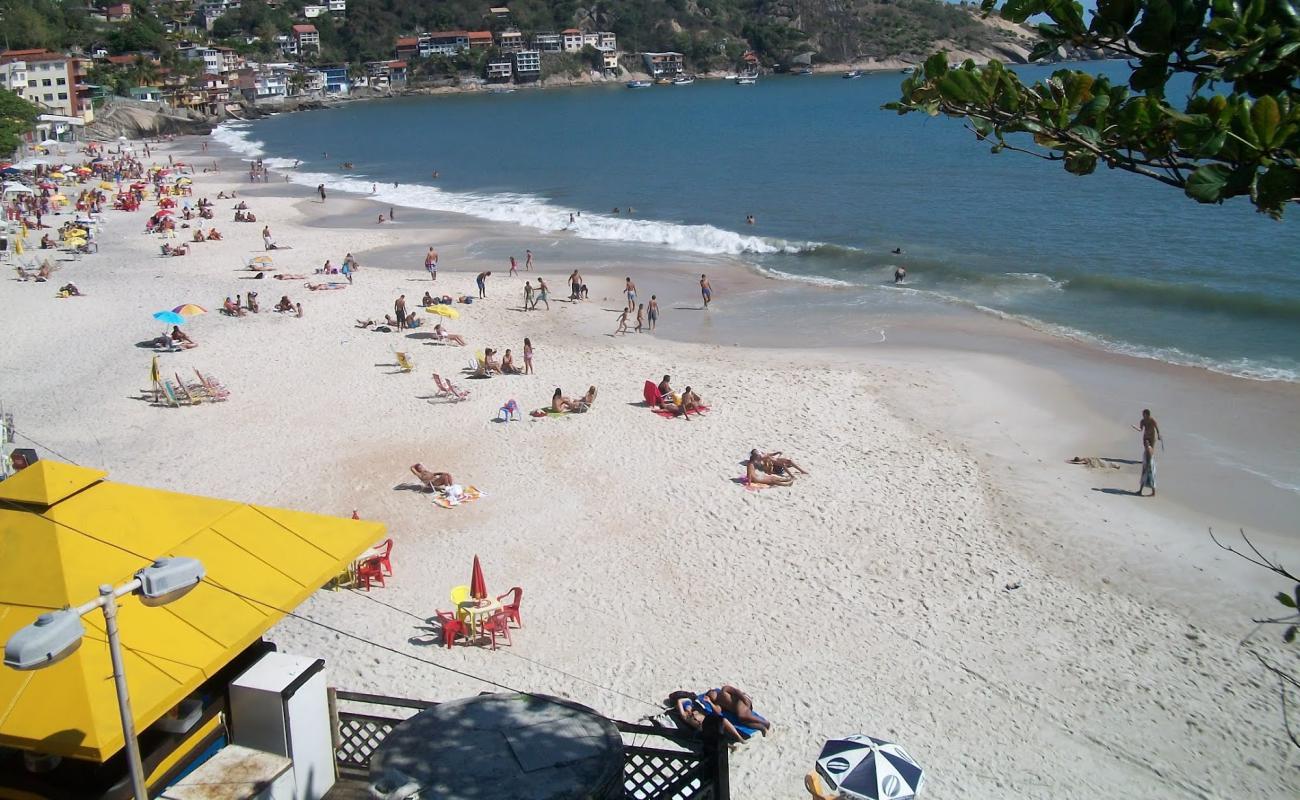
column 457, row 394
column 443, row 391
column 404, row 362
column 382, row 553
column 369, row 571
column 459, row 595
column 508, row 411
column 451, row 628
column 184, row 391
column 169, row 392
column 497, row 624
column 212, row 387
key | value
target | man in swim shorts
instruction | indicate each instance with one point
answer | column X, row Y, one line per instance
column 706, row 291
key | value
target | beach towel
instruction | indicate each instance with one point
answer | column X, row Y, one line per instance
column 1092, row 462
column 651, row 394
column 706, row 706
column 454, row 495
column 666, row 414
column 546, row 412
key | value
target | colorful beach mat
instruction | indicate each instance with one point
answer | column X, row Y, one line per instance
column 470, row 495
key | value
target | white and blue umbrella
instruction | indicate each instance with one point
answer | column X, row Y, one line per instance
column 169, row 317
column 869, row 769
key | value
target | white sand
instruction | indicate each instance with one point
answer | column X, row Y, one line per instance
column 870, row 597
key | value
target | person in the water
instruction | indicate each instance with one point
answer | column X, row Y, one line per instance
column 899, row 274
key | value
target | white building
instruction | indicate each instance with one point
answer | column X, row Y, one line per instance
column 548, row 42
column 338, row 8
column 304, row 38
column 528, row 65
column 213, row 9
column 54, row 81
column 210, row 56
column 14, row 77
column 312, row 12
column 447, row 43
column 572, row 40
column 500, row 70
column 608, row 59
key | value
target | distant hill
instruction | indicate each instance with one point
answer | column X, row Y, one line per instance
column 711, row 33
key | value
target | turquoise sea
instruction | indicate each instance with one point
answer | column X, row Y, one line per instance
column 835, row 184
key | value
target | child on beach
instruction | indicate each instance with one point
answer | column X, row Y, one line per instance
column 622, row 322
column 528, row 356
column 528, row 295
column 514, row 270
column 528, row 260
column 640, row 317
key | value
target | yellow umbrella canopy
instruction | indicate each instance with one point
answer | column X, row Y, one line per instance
column 65, row 530
column 443, row 311
column 105, row 185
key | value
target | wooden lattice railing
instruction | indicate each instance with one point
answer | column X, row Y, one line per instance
column 659, row 763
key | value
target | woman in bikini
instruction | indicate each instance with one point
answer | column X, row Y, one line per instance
column 508, row 364
column 754, row 477
column 560, row 403
column 431, row 480
column 733, row 701
column 775, row 463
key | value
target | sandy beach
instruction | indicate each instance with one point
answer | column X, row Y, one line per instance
column 941, row 578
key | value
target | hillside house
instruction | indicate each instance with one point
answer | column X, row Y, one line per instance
column 500, row 70
column 548, row 42
column 510, row 41
column 572, row 40
column 305, row 37
column 480, row 40
column 664, row 65
column 528, row 65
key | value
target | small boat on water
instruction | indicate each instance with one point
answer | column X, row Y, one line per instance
column 853, row 73
column 746, row 80
column 684, row 80
column 665, row 81
column 639, row 84
column 804, row 71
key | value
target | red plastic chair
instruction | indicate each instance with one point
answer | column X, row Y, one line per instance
column 498, row 623
column 451, row 628
column 370, row 571
column 511, row 609
column 381, row 553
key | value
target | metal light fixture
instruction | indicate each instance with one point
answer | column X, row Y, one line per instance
column 55, row 635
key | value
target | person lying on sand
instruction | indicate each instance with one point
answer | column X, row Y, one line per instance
column 693, row 715
column 731, row 700
column 774, row 463
column 442, row 334
column 755, row 478
column 214, row 235
column 70, row 290
column 365, row 323
column 431, row 480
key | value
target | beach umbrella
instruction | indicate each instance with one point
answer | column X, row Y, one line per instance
column 17, row 188
column 105, row 185
column 10, row 170
column 165, row 212
column 477, row 587
column 865, row 768
column 183, row 181
column 169, row 317
column 443, row 311
column 189, row 310
column 58, row 175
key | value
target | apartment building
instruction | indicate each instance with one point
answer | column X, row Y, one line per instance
column 55, row 81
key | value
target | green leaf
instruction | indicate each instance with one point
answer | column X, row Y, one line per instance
column 1152, row 75
column 1207, row 183
column 1115, row 16
column 1080, row 163
column 1286, row 599
column 1265, row 117
column 1154, row 33
column 1289, row 635
column 936, row 66
column 1274, row 188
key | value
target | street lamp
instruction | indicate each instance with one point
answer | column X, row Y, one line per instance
column 55, row 635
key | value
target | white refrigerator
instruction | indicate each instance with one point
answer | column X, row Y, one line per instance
column 279, row 705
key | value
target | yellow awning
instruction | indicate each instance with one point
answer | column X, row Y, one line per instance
column 64, row 530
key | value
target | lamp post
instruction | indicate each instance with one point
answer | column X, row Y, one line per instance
column 55, row 635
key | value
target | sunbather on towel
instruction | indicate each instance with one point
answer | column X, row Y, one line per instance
column 731, row 700
column 693, row 714
column 431, row 480
column 585, row 402
column 180, row 337
column 560, row 403
column 688, row 402
column 755, row 478
column 774, row 463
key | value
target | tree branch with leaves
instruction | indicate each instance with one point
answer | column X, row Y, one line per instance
column 1236, row 134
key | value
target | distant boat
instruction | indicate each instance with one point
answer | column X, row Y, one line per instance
column 746, row 80
column 853, row 73
column 730, row 76
column 639, row 84
column 664, row 81
column 805, row 71
column 684, row 80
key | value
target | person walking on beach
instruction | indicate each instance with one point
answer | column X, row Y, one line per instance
column 528, row 356
column 1149, row 429
column 528, row 260
column 514, row 270
column 653, row 312
column 543, row 291
column 622, row 322
column 630, row 289
column 706, row 291
column 321, row 188
column 481, row 280
column 528, row 295
column 575, row 285
column 1148, row 479
column 431, row 263
column 640, row 317
column 399, row 310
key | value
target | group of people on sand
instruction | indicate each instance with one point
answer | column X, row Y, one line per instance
column 770, row 469
column 561, row 404
column 724, row 707
column 504, row 365
column 684, row 402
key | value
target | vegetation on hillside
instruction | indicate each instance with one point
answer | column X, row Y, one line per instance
column 16, row 117
column 711, row 33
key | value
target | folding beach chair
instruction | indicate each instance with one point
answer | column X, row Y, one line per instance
column 404, row 362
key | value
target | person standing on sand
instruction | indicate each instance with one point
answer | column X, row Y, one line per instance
column 481, row 280
column 640, row 317
column 543, row 292
column 399, row 310
column 431, row 263
column 528, row 295
column 321, row 188
column 528, row 356
column 528, row 260
column 575, row 285
column 653, row 312
column 1149, row 429
column 514, row 270
column 706, row 291
column 622, row 322
column 1148, row 479
column 630, row 289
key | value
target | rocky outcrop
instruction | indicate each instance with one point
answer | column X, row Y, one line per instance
column 136, row 120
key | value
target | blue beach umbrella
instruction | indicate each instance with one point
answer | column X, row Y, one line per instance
column 169, row 317
column 865, row 768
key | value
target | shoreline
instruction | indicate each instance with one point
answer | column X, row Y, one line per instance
column 1227, row 477
column 938, row 553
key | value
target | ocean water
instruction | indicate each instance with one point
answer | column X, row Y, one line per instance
column 835, row 184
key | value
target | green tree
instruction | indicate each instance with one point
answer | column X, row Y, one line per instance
column 1236, row 135
column 16, row 117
